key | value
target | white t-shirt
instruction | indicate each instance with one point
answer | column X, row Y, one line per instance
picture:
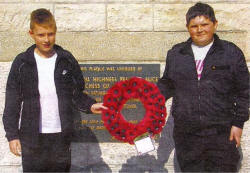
column 49, row 113
column 199, row 56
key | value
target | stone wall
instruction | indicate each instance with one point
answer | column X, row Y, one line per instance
column 117, row 31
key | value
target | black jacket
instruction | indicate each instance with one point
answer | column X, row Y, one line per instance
column 221, row 97
column 22, row 95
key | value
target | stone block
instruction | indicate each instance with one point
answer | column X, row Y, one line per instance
column 204, row 1
column 6, row 157
column 119, row 46
column 245, row 141
column 247, row 50
column 128, row 1
column 112, row 46
column 10, row 169
column 78, row 1
column 130, row 17
column 13, row 43
column 170, row 17
column 52, row 1
column 4, row 71
column 233, row 16
column 80, row 17
column 16, row 17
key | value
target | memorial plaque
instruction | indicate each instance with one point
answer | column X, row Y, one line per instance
column 98, row 79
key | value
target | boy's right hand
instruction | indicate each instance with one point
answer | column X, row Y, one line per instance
column 15, row 147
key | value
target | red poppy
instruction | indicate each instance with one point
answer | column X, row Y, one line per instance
column 135, row 84
column 115, row 91
column 160, row 99
column 108, row 99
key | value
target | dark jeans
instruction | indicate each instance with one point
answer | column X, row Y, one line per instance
column 206, row 153
column 51, row 155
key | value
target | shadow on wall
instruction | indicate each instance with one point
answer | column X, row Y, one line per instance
column 85, row 151
column 148, row 163
column 166, row 144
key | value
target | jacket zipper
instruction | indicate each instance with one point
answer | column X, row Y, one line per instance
column 199, row 99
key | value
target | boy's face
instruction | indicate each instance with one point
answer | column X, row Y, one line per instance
column 44, row 38
column 201, row 30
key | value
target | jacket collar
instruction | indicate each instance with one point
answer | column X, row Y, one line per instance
column 217, row 46
column 30, row 58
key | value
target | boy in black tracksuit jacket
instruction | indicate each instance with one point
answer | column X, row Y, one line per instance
column 49, row 151
column 209, row 112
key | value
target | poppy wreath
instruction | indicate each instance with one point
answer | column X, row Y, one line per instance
column 153, row 102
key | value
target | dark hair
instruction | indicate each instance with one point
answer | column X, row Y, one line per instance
column 200, row 9
column 43, row 17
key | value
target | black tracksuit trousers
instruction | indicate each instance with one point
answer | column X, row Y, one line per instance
column 51, row 155
column 206, row 152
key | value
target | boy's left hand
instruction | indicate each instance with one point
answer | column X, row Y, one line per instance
column 235, row 135
column 97, row 108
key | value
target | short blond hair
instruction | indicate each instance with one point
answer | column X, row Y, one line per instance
column 42, row 17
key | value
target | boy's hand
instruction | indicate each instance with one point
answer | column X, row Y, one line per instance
column 235, row 135
column 15, row 147
column 97, row 108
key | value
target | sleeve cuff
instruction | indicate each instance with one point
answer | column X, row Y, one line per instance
column 10, row 138
column 89, row 109
column 239, row 124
